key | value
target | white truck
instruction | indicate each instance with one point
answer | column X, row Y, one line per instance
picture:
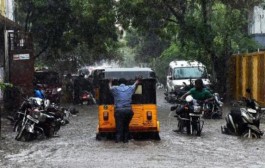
column 181, row 73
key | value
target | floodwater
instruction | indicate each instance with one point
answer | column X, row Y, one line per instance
column 76, row 146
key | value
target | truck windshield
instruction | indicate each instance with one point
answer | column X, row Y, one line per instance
column 189, row 72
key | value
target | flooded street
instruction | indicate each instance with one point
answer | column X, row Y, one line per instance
column 76, row 146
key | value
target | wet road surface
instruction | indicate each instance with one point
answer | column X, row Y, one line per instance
column 77, row 147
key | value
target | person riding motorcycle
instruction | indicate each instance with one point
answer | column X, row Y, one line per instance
column 199, row 93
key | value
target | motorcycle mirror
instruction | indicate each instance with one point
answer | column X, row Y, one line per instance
column 46, row 103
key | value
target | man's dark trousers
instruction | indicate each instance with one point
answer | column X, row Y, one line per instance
column 123, row 117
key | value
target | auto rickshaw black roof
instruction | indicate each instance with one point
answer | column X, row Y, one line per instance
column 128, row 73
column 148, row 84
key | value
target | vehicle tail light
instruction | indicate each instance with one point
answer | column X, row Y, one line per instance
column 105, row 115
column 149, row 115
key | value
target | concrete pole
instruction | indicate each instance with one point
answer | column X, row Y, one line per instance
column 0, row 122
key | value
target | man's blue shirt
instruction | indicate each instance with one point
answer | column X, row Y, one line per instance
column 39, row 94
column 123, row 95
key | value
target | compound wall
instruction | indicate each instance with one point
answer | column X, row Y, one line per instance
column 247, row 71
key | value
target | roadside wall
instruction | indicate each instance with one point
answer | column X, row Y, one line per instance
column 247, row 71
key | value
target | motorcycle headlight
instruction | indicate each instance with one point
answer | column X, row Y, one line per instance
column 35, row 113
column 189, row 98
column 197, row 109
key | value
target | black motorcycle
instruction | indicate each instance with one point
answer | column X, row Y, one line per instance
column 87, row 97
column 244, row 119
column 34, row 122
column 189, row 114
column 60, row 112
column 213, row 109
column 173, row 96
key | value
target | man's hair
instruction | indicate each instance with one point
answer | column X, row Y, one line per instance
column 122, row 80
column 199, row 82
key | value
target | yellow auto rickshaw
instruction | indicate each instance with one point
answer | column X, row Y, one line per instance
column 96, row 76
column 145, row 120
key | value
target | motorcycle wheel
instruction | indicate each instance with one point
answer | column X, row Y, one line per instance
column 49, row 132
column 23, row 135
column 188, row 127
column 20, row 129
column 19, row 134
column 27, row 136
column 215, row 116
column 251, row 135
column 198, row 129
column 180, row 127
column 220, row 112
column 17, row 126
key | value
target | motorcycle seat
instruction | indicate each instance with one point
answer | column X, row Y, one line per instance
column 249, row 110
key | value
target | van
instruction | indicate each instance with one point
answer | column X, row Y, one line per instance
column 181, row 73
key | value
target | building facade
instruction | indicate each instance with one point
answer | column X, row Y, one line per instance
column 257, row 24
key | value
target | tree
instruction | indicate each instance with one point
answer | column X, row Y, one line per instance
column 63, row 29
column 209, row 31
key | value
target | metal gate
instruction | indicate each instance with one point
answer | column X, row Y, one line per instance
column 19, row 68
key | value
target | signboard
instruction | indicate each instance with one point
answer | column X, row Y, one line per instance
column 21, row 57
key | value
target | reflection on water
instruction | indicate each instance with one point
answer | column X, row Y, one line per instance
column 76, row 146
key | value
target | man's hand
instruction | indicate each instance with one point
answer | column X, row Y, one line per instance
column 110, row 83
column 139, row 77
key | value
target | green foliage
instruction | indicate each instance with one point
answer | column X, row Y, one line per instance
column 5, row 85
column 84, row 31
column 208, row 31
column 62, row 29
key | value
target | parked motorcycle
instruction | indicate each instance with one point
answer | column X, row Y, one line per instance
column 86, row 97
column 189, row 117
column 213, row 109
column 173, row 96
column 34, row 122
column 244, row 119
column 26, row 107
column 53, row 94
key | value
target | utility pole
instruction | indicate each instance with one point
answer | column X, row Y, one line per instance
column 3, row 76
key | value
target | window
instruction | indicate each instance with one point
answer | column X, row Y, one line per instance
column 189, row 72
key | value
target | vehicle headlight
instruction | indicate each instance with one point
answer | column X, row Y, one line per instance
column 197, row 109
